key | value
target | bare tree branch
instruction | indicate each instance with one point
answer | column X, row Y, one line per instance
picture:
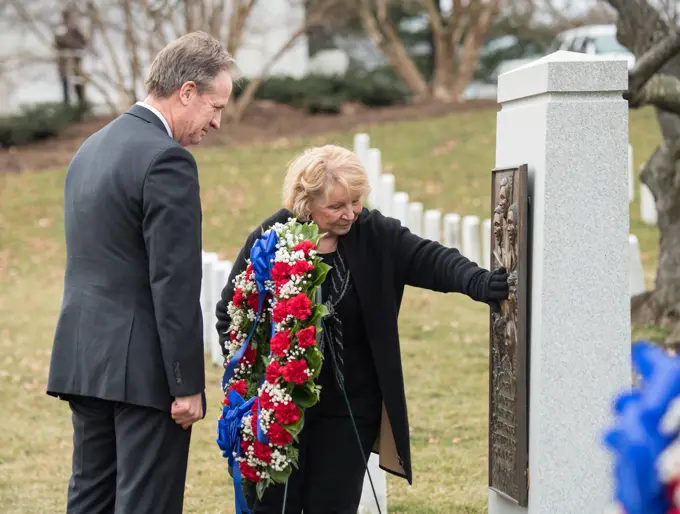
column 383, row 35
column 237, row 23
column 314, row 18
column 435, row 19
column 26, row 17
column 661, row 91
column 653, row 60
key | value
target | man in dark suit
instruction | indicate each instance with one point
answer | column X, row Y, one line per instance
column 128, row 348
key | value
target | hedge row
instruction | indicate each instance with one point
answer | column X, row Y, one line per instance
column 36, row 122
column 321, row 94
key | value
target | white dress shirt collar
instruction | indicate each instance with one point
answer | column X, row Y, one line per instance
column 157, row 113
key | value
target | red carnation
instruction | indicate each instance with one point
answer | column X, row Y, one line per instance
column 266, row 401
column 253, row 299
column 239, row 386
column 263, row 452
column 300, row 306
column 249, row 355
column 273, row 371
column 307, row 337
column 280, row 311
column 249, row 271
column 278, row 435
column 296, row 371
column 281, row 271
column 305, row 246
column 280, row 343
column 287, row 413
column 238, row 298
column 245, row 445
column 249, row 472
column 232, row 335
column 253, row 418
column 302, row 267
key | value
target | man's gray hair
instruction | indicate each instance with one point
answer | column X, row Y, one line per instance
column 196, row 56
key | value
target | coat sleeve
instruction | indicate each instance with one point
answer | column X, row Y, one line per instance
column 171, row 224
column 223, row 319
column 429, row 265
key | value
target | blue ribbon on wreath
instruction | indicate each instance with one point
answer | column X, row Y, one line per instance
column 229, row 441
column 636, row 439
column 261, row 257
column 229, row 426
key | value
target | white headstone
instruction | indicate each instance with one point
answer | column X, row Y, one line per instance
column 432, row 229
column 221, row 272
column 400, row 207
column 471, row 247
column 415, row 218
column 361, row 144
column 367, row 503
column 374, row 172
column 647, row 206
column 451, row 230
column 386, row 190
column 580, row 320
column 210, row 259
column 631, row 177
column 637, row 274
column 486, row 244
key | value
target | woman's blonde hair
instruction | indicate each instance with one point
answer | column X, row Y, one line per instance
column 312, row 175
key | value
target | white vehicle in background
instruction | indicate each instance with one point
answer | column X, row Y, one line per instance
column 594, row 40
column 588, row 39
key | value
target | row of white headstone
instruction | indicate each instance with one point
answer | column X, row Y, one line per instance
column 648, row 212
column 464, row 232
column 469, row 234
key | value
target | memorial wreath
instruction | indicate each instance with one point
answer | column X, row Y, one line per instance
column 645, row 437
column 272, row 358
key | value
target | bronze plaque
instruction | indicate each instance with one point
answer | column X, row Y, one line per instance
column 508, row 339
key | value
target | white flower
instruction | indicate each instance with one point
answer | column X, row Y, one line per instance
column 670, row 422
column 668, row 464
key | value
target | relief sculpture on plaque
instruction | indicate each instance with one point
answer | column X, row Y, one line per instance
column 505, row 253
column 508, row 356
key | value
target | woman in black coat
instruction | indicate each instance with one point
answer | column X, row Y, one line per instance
column 373, row 258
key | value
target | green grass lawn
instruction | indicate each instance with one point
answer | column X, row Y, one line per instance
column 443, row 162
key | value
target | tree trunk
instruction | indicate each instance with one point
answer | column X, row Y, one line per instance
column 661, row 306
column 480, row 18
column 455, row 69
column 382, row 34
column 655, row 80
column 444, row 73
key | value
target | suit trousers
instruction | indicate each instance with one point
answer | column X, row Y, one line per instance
column 331, row 470
column 126, row 459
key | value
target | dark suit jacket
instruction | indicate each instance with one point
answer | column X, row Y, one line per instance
column 384, row 257
column 130, row 327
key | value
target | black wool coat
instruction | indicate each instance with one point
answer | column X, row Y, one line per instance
column 383, row 257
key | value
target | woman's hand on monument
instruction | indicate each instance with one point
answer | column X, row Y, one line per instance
column 497, row 288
